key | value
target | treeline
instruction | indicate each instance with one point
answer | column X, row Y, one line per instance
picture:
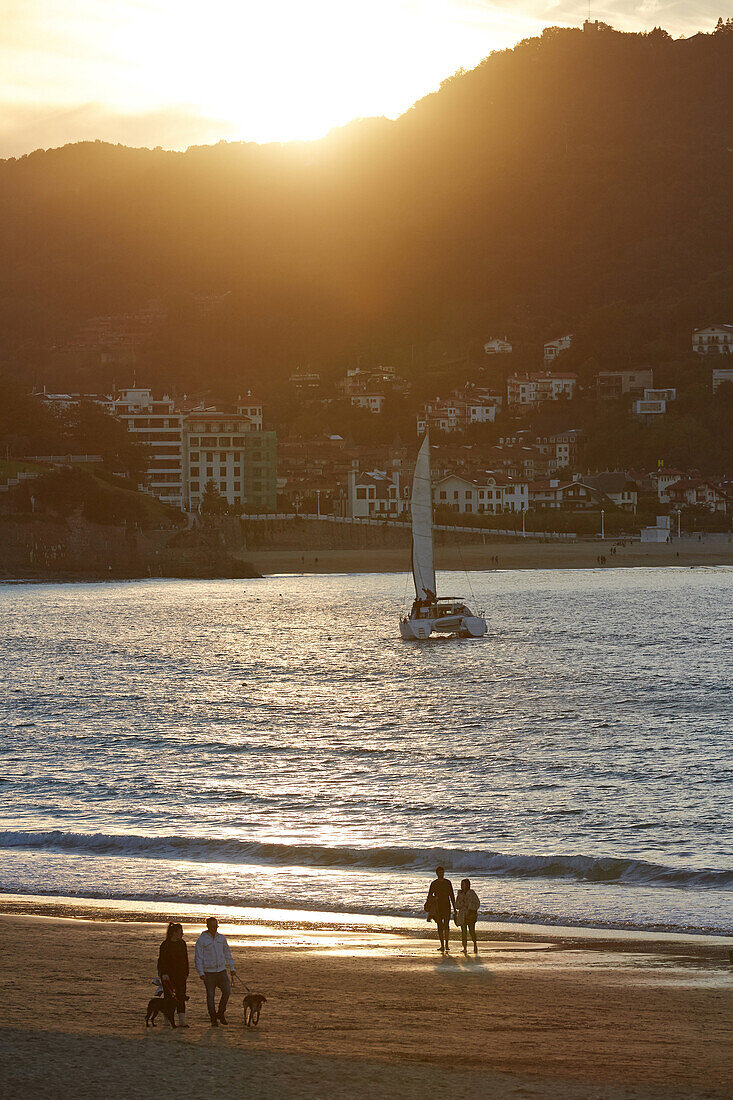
column 30, row 427
column 579, row 182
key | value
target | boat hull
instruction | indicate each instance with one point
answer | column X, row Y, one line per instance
column 466, row 626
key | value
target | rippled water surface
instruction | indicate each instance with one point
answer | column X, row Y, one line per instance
column 275, row 742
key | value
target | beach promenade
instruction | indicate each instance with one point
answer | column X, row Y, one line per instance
column 362, row 1014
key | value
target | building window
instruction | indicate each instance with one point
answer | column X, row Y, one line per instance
column 222, row 486
column 209, row 472
column 361, row 494
column 443, row 494
column 194, row 471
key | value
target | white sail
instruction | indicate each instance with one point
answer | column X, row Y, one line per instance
column 423, row 566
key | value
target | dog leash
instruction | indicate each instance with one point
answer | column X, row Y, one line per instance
column 235, row 977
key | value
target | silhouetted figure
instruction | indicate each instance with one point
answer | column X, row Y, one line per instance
column 440, row 903
column 173, row 968
column 467, row 906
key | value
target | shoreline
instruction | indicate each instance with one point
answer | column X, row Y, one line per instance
column 367, row 1014
column 137, row 911
column 491, row 556
column 500, row 555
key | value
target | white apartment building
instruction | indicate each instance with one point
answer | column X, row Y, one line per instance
column 214, row 450
column 251, row 408
column 713, row 340
column 371, row 401
column 158, row 425
column 485, row 495
column 457, row 415
column 374, row 494
column 721, row 375
column 532, row 389
column 497, row 346
column 664, row 480
column 553, row 347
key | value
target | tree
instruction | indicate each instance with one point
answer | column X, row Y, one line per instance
column 212, row 502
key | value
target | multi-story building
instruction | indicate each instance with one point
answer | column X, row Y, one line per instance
column 250, row 407
column 574, row 495
column 563, row 449
column 699, row 493
column 158, row 424
column 617, row 383
column 620, row 489
column 483, row 494
column 230, row 450
column 721, row 376
column 713, row 340
column 497, row 346
column 553, row 347
column 374, row 494
column 456, row 414
column 305, row 379
column 533, row 389
column 373, row 402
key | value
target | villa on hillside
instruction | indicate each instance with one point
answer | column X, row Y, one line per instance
column 553, row 347
column 713, row 340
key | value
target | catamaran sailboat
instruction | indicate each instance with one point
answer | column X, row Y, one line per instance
column 430, row 612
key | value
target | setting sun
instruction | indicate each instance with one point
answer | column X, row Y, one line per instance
column 154, row 72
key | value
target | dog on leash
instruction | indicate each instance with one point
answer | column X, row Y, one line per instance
column 252, row 1005
column 166, row 1005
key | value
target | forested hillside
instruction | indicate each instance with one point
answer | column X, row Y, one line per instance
column 582, row 181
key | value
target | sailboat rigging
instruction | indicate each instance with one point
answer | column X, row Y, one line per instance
column 430, row 612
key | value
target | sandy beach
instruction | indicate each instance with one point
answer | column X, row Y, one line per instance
column 361, row 1013
column 511, row 555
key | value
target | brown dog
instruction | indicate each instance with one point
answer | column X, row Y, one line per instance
column 166, row 1005
column 252, row 1005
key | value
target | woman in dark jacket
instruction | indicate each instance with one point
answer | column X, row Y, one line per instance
column 173, row 968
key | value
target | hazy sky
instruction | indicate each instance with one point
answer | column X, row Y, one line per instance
column 176, row 73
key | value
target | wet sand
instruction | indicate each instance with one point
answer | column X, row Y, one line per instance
column 354, row 1012
column 510, row 554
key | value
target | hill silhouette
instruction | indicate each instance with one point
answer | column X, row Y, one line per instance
column 578, row 182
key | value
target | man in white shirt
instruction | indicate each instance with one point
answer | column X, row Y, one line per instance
column 212, row 957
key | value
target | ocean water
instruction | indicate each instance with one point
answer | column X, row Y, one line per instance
column 275, row 743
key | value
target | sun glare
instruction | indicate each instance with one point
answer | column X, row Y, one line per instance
column 264, row 72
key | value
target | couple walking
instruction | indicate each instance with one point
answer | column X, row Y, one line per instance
column 441, row 902
column 212, row 957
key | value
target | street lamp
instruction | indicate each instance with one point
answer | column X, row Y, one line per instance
column 524, row 513
column 318, row 503
column 679, row 523
column 603, row 528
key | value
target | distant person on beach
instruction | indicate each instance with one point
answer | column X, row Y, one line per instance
column 212, row 957
column 467, row 907
column 439, row 904
column 173, row 968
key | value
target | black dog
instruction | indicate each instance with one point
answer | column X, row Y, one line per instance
column 166, row 1005
column 252, row 1005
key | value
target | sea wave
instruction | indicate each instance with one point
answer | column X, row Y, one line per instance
column 231, row 850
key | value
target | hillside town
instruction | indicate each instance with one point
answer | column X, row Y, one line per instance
column 203, row 454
